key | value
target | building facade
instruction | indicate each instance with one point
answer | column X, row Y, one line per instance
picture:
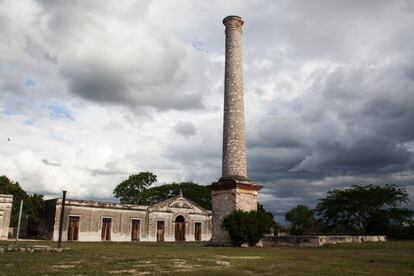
column 6, row 202
column 175, row 219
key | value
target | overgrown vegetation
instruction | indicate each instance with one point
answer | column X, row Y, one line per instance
column 248, row 227
column 133, row 189
column 32, row 207
column 357, row 210
column 197, row 193
column 364, row 209
column 137, row 190
column 301, row 220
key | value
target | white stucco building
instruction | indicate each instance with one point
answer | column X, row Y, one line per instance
column 175, row 219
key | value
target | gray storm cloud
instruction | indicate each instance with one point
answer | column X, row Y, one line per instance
column 185, row 129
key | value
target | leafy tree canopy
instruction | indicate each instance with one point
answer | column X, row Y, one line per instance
column 248, row 227
column 275, row 226
column 136, row 190
column 132, row 190
column 301, row 220
column 197, row 193
column 32, row 207
column 364, row 209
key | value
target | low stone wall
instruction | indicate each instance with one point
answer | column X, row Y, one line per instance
column 317, row 241
column 31, row 249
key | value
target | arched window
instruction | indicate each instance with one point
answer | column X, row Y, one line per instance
column 179, row 219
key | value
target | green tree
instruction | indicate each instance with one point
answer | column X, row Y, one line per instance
column 132, row 190
column 10, row 187
column 364, row 209
column 301, row 219
column 32, row 207
column 197, row 193
column 275, row 226
column 248, row 227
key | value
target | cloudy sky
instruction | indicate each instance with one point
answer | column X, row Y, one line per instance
column 93, row 91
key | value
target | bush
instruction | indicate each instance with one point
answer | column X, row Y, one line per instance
column 247, row 227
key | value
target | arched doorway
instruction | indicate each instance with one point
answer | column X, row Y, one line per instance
column 179, row 228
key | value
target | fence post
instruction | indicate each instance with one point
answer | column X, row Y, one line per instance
column 19, row 221
column 62, row 216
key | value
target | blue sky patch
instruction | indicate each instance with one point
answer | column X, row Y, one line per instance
column 29, row 83
column 57, row 111
column 196, row 43
column 28, row 122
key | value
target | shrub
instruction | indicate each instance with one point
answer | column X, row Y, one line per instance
column 247, row 227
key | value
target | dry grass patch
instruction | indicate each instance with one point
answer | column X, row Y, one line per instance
column 389, row 258
column 240, row 257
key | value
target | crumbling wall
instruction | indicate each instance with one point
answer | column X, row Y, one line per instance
column 317, row 241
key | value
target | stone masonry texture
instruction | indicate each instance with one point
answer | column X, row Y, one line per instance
column 224, row 203
column 234, row 142
column 234, row 191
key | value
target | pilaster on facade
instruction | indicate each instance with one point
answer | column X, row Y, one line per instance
column 6, row 202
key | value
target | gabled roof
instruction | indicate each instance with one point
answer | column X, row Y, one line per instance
column 112, row 205
column 169, row 201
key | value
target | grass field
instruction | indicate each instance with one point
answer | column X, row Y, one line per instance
column 389, row 258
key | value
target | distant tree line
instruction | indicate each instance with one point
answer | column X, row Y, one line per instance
column 367, row 209
column 357, row 210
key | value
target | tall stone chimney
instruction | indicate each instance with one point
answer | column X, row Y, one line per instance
column 234, row 190
column 234, row 142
